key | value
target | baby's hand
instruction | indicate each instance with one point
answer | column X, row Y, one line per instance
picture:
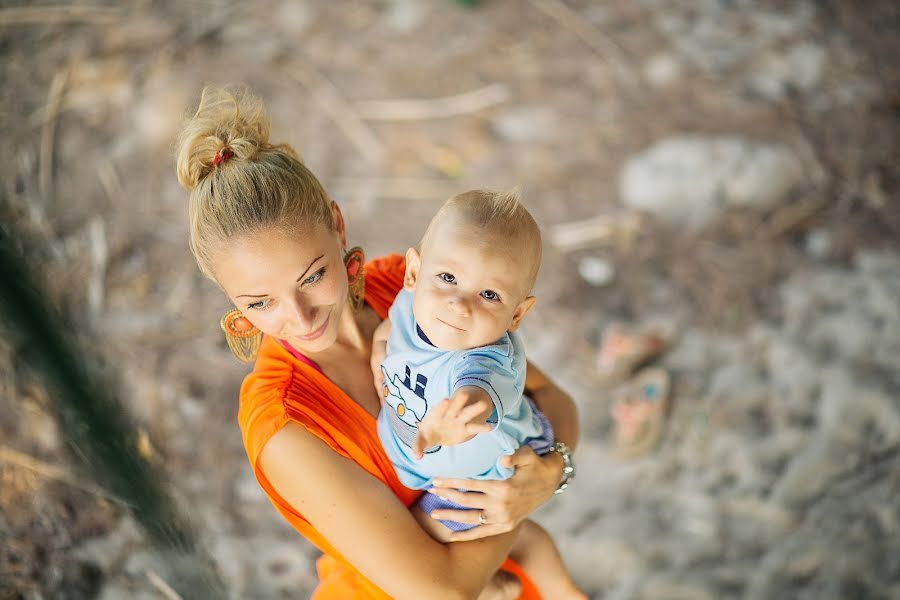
column 379, row 350
column 452, row 421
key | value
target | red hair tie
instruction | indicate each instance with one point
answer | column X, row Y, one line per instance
column 221, row 156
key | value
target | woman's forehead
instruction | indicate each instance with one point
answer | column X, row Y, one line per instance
column 267, row 257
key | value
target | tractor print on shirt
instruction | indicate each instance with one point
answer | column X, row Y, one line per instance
column 405, row 404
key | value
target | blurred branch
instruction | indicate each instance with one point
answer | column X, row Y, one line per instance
column 608, row 50
column 25, row 461
column 53, row 15
column 435, row 108
column 95, row 426
column 343, row 114
column 48, row 134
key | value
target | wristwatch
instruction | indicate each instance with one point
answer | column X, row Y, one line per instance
column 568, row 472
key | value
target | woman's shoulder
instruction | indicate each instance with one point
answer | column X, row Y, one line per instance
column 262, row 411
column 384, row 278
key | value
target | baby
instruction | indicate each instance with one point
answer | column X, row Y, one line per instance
column 453, row 372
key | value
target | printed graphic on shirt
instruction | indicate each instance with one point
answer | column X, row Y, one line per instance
column 405, row 405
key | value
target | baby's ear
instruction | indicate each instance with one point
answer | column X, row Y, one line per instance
column 521, row 310
column 413, row 261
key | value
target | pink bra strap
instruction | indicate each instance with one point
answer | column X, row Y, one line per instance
column 299, row 356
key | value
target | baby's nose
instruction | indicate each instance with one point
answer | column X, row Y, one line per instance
column 460, row 306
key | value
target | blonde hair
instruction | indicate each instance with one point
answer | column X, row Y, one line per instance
column 239, row 182
column 503, row 217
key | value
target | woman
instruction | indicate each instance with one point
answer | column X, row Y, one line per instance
column 264, row 229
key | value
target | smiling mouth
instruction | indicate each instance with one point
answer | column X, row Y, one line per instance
column 451, row 326
column 317, row 332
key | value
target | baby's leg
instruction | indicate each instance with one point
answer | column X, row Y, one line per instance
column 536, row 553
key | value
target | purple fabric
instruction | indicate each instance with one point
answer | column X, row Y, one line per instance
column 541, row 445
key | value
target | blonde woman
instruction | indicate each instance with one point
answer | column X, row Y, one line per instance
column 264, row 229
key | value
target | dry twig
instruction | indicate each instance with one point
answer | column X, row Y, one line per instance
column 54, row 100
column 331, row 101
column 54, row 15
column 434, row 108
column 400, row 188
column 49, row 471
column 620, row 230
column 160, row 584
column 627, row 77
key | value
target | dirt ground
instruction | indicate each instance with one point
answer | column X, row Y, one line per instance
column 780, row 456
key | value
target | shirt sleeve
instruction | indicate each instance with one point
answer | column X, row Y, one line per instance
column 491, row 370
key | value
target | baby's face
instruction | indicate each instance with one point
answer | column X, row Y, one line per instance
column 468, row 290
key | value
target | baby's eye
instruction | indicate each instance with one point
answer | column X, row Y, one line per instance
column 490, row 295
column 447, row 278
column 315, row 277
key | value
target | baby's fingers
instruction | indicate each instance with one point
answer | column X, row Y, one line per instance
column 476, row 428
column 419, row 445
column 473, row 410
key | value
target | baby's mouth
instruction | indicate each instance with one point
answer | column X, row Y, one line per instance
column 450, row 325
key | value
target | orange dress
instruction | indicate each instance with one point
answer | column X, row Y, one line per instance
column 282, row 388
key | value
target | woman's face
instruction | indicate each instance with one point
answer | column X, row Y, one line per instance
column 291, row 286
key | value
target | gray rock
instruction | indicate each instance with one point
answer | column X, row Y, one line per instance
column 596, row 271
column 661, row 70
column 687, row 180
column 798, row 69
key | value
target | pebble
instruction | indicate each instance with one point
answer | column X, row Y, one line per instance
column 596, row 271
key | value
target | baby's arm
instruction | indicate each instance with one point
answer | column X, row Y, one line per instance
column 454, row 420
column 379, row 350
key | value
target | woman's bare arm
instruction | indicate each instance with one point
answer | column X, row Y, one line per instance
column 557, row 406
column 370, row 527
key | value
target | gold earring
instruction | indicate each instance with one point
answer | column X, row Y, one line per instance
column 354, row 259
column 242, row 336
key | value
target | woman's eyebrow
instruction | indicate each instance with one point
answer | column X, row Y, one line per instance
column 298, row 279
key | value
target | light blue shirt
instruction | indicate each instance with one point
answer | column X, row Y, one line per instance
column 418, row 375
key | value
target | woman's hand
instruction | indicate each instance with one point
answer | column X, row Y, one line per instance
column 505, row 503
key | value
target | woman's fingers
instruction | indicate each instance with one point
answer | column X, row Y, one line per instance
column 469, row 499
column 470, row 517
column 520, row 458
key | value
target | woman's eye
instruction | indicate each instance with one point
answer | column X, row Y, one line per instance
column 261, row 305
column 315, row 277
column 447, row 278
column 490, row 295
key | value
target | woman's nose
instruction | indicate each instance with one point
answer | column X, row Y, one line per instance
column 302, row 313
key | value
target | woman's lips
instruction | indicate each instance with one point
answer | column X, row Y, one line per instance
column 316, row 333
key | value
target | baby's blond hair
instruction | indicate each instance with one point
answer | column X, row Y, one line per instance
column 239, row 182
column 503, row 217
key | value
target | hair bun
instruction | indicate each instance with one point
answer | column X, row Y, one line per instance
column 232, row 120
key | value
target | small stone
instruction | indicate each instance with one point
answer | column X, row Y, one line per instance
column 818, row 244
column 596, row 271
column 662, row 70
column 526, row 124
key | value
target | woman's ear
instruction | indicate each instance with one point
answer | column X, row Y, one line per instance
column 521, row 310
column 338, row 219
column 413, row 262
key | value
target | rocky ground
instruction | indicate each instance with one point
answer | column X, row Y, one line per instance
column 726, row 169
